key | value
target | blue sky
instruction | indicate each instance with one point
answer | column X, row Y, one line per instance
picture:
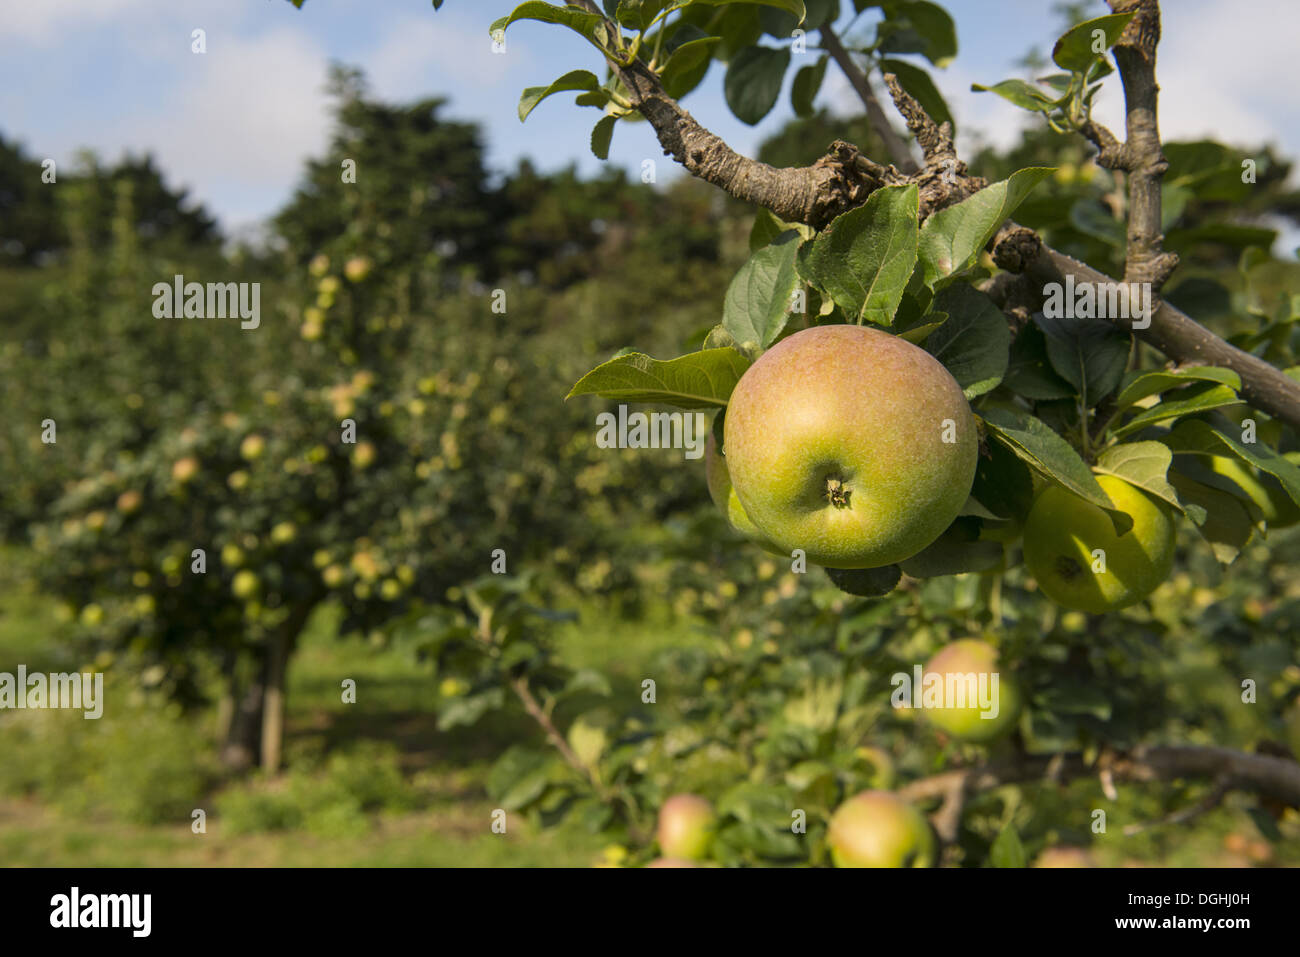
column 235, row 124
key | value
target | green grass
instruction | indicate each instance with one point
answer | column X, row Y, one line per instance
column 379, row 784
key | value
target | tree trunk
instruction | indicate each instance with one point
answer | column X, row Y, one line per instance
column 276, row 672
column 240, row 750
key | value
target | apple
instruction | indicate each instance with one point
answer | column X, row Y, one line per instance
column 237, row 480
column 835, row 443
column 363, row 455
column 129, row 501
column 245, row 584
column 328, row 286
column 283, row 533
column 252, row 447
column 1064, row 857
column 319, row 265
column 686, row 826
column 670, row 862
column 332, row 575
column 356, row 269
column 185, row 469
column 724, row 497
column 232, row 556
column 879, row 829
column 970, row 656
column 1063, row 531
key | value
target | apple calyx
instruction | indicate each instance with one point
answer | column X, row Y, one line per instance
column 1068, row 568
column 837, row 492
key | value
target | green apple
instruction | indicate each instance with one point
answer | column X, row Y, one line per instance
column 1275, row 505
column 185, row 469
column 1063, row 532
column 129, row 501
column 283, row 533
column 244, row 584
column 252, row 447
column 724, row 496
column 967, row 721
column 686, row 826
column 356, row 269
column 852, row 444
column 879, row 829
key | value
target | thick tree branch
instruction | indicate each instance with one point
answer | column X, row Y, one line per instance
column 1265, row 775
column 894, row 144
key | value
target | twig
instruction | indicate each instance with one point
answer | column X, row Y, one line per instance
column 1211, row 800
column 894, row 144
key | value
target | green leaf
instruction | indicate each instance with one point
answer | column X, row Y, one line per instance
column 573, row 80
column 687, row 66
column 1146, row 465
column 919, row 27
column 1022, row 94
column 1052, row 456
column 467, row 710
column 1074, row 50
column 767, row 227
column 1195, row 436
column 1007, row 851
column 952, row 238
column 700, row 380
column 758, row 300
column 974, row 343
column 1003, row 483
column 1090, row 354
column 864, row 258
column 865, row 582
column 1144, row 384
column 753, row 81
column 789, row 6
column 518, row 777
column 957, row 551
column 590, row 25
column 1029, row 373
column 1187, row 401
column 1226, row 525
column 807, row 82
column 589, row 738
column 917, row 82
column 601, row 134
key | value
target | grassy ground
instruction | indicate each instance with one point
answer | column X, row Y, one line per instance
column 439, row 813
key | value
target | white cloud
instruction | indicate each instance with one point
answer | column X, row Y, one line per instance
column 40, row 21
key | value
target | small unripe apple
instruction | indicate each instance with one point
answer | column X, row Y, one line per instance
column 879, row 829
column 232, row 556
column 92, row 615
column 363, row 455
column 332, row 575
column 1079, row 562
column 329, row 285
column 185, row 469
column 95, row 520
column 129, row 501
column 356, row 269
column 319, row 265
column 852, row 444
column 686, row 827
column 237, row 480
column 252, row 447
column 981, row 711
column 245, row 584
column 1064, row 857
column 283, row 533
